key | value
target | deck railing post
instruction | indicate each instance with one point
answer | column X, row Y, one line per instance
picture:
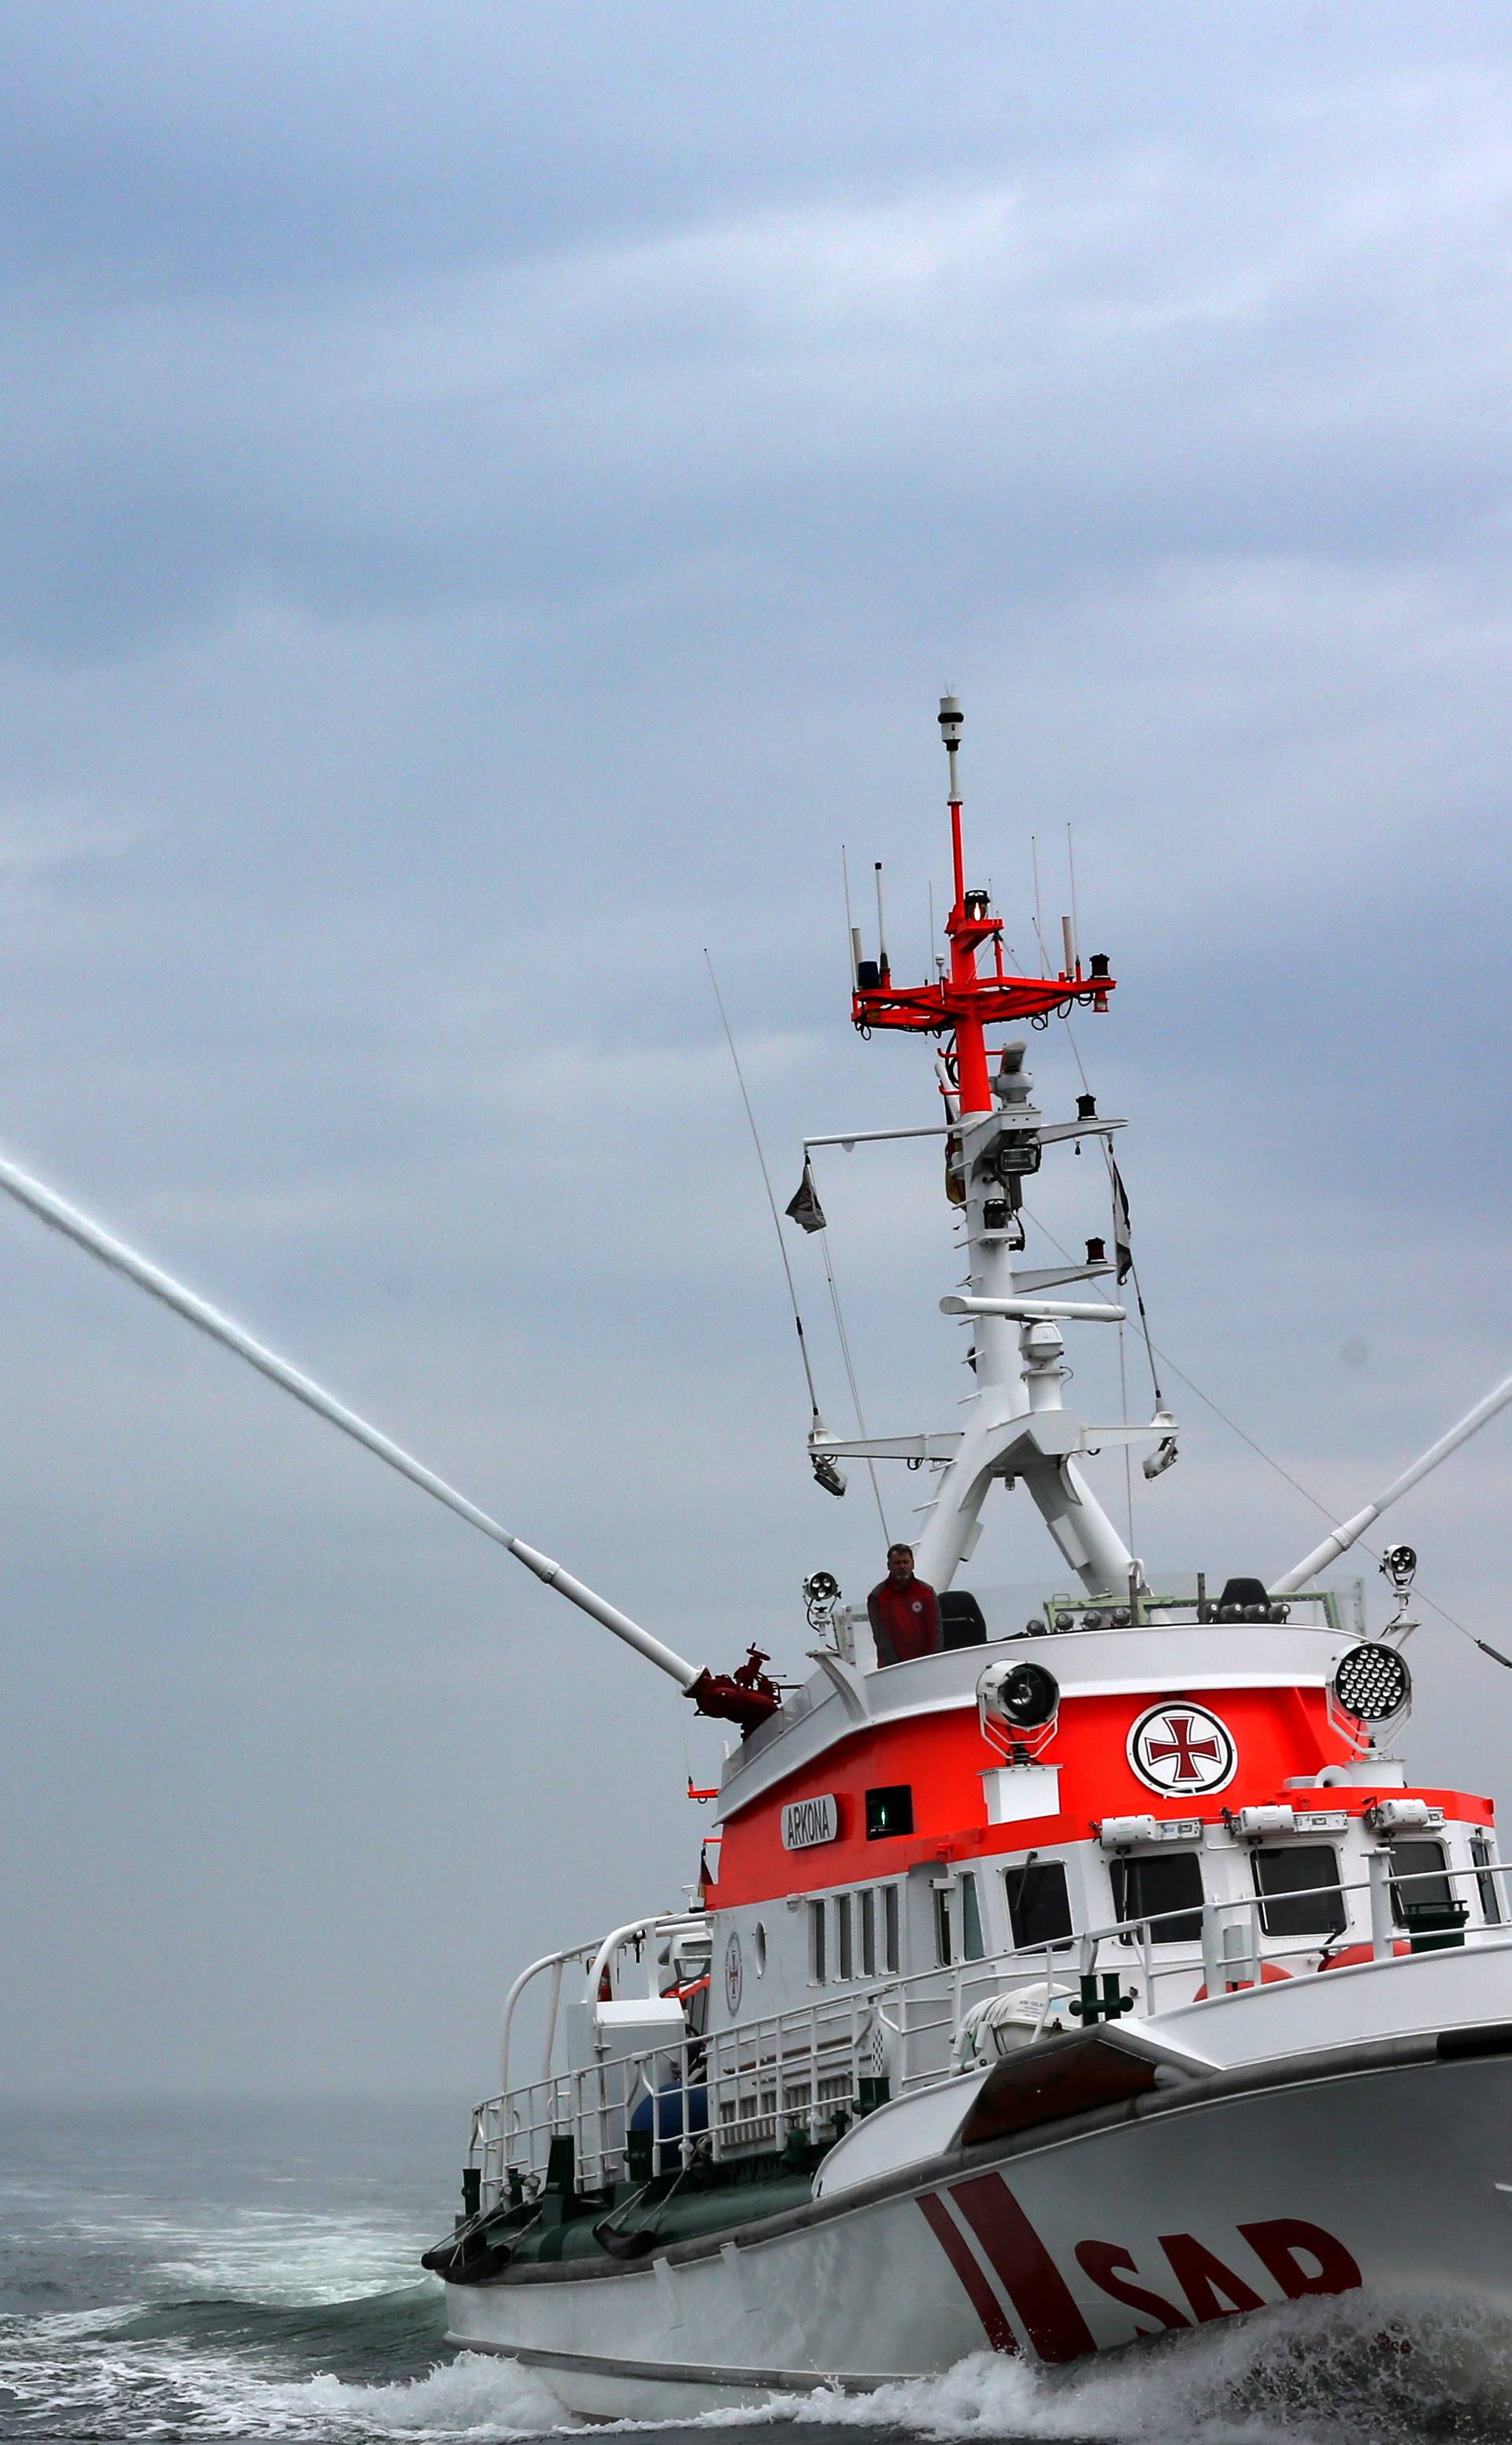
column 1378, row 1866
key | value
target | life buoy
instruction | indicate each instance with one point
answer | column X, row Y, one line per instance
column 1270, row 1973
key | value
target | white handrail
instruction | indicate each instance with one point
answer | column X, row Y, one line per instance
column 763, row 2076
column 546, row 1961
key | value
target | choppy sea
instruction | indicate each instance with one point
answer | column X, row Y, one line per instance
column 228, row 2271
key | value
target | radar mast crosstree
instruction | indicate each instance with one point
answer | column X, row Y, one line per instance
column 1019, row 1428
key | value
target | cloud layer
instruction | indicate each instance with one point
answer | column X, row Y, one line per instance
column 491, row 500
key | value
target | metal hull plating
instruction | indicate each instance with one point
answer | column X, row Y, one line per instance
column 1371, row 2173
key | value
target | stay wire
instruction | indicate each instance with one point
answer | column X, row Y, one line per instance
column 1154, row 1352
column 1294, row 1483
column 851, row 1373
column 1114, row 1183
column 783, row 1251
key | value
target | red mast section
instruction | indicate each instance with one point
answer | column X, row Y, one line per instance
column 964, row 1000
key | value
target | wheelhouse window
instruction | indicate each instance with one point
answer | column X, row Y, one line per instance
column 1038, row 1903
column 869, row 1932
column 889, row 1810
column 1482, row 1851
column 1287, row 1879
column 1423, row 1862
column 818, row 1951
column 843, row 1947
column 973, row 1943
column 944, row 1948
column 1164, row 1887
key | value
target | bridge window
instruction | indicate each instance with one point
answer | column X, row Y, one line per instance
column 1482, row 1851
column 1157, row 1884
column 1039, row 1904
column 844, row 1948
column 891, row 1940
column 889, row 1810
column 1429, row 1888
column 818, row 1957
column 1282, row 1878
column 945, row 1948
column 972, row 1944
column 869, row 1932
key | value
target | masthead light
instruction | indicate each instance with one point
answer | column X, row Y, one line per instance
column 951, row 718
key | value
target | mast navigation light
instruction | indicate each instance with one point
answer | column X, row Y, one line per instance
column 951, row 718
column 826, row 1474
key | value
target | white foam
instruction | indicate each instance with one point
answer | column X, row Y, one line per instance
column 1317, row 2373
column 475, row 2395
column 150, row 2389
column 278, row 2258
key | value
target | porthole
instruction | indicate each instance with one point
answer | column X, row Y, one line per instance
column 758, row 1948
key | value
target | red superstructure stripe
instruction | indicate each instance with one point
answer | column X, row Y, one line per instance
column 1029, row 2275
column 975, row 2285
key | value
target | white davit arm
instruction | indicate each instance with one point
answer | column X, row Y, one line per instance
column 1345, row 1535
column 113, row 1252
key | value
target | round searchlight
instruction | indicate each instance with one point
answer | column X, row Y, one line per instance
column 1373, row 1682
column 1019, row 1697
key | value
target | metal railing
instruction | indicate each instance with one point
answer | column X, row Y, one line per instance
column 745, row 2090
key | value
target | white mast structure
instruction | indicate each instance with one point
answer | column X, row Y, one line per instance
column 1018, row 1430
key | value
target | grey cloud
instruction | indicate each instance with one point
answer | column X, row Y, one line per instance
column 488, row 518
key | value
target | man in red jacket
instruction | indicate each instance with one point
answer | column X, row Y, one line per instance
column 903, row 1611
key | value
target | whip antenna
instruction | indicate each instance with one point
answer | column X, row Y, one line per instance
column 825, row 1471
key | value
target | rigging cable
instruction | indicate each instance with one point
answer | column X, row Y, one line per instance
column 1294, row 1483
column 787, row 1269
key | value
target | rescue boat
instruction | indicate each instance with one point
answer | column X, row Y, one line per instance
column 1088, row 1977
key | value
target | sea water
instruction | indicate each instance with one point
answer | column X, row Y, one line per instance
column 230, row 2271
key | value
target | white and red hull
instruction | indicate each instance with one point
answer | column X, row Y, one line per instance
column 1383, row 2169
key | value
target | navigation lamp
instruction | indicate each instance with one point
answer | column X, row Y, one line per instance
column 951, row 718
column 1099, row 964
column 1017, row 1705
column 826, row 1474
column 821, row 1594
column 1399, row 1564
column 1372, row 1681
column 1097, row 1252
column 1086, row 1108
column 995, row 1214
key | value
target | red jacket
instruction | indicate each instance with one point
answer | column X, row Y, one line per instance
column 905, row 1621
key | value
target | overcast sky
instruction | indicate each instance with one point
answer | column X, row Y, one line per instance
column 492, row 499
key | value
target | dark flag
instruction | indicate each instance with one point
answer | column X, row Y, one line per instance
column 805, row 1208
column 1122, row 1250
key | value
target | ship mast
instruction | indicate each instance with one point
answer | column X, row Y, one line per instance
column 1017, row 1429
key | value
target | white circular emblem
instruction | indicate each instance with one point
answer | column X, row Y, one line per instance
column 734, row 1975
column 1182, row 1750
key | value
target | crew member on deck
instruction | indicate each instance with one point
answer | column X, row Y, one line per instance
column 904, row 1612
